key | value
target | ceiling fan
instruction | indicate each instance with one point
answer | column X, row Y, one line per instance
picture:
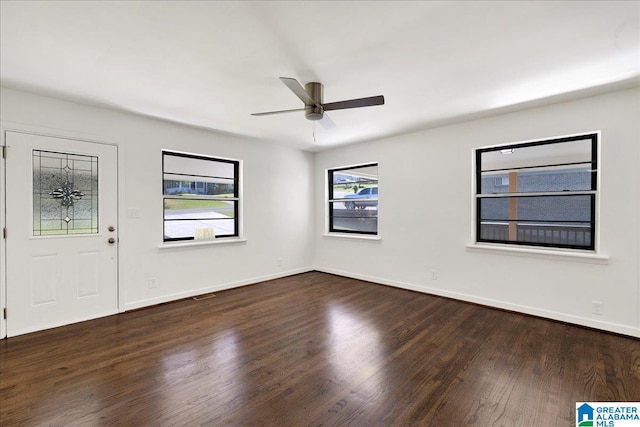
column 314, row 106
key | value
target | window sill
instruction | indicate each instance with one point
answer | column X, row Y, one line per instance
column 192, row 243
column 575, row 256
column 353, row 236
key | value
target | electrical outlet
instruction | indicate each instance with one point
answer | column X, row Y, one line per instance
column 153, row 283
column 434, row 274
column 597, row 307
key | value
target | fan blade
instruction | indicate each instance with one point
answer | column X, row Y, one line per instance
column 354, row 103
column 268, row 113
column 297, row 88
column 326, row 122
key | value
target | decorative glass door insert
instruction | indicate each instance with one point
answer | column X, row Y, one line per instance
column 65, row 193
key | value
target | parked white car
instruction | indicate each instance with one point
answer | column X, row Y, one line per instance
column 365, row 197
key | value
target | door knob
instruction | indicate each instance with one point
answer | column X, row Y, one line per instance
column 111, row 240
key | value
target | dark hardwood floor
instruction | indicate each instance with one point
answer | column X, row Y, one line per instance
column 314, row 349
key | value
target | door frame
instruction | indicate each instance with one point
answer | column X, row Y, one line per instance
column 5, row 127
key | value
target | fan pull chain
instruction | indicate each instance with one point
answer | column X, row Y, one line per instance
column 313, row 132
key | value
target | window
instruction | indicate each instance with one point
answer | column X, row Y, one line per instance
column 540, row 193
column 200, row 196
column 353, row 199
column 65, row 193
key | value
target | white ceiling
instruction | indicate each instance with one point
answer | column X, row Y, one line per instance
column 211, row 64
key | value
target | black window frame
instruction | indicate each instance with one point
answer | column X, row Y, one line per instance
column 332, row 200
column 592, row 193
column 235, row 199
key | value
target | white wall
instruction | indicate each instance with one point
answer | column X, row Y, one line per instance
column 277, row 199
column 425, row 224
column 425, row 210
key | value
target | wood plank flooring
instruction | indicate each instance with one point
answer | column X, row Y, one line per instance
column 313, row 350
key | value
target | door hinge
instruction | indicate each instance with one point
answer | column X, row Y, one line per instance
column 4, row 151
column 4, row 313
column 4, row 232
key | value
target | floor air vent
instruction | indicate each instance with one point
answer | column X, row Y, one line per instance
column 205, row 296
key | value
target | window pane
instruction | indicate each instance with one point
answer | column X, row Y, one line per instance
column 559, row 235
column 219, row 187
column 347, row 182
column 202, row 229
column 543, row 179
column 363, row 219
column 518, row 156
column 199, row 208
column 575, row 208
column 65, row 193
column 176, row 164
column 197, row 218
column 562, row 221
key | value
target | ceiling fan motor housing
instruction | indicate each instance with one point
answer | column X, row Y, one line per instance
column 316, row 92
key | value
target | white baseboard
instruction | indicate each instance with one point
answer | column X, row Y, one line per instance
column 547, row 314
column 79, row 319
column 209, row 289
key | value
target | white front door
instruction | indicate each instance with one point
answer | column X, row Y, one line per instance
column 61, row 220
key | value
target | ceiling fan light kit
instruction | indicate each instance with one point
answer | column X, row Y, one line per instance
column 312, row 95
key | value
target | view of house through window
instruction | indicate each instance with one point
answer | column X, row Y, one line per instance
column 539, row 193
column 353, row 199
column 200, row 197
